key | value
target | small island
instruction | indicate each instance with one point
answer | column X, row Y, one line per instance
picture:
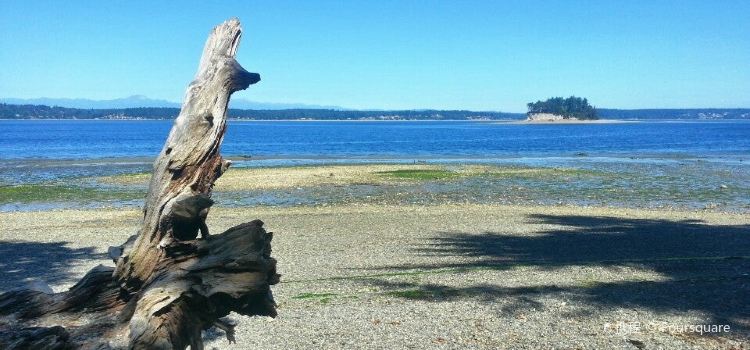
column 558, row 109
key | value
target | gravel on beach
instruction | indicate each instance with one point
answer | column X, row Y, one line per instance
column 452, row 276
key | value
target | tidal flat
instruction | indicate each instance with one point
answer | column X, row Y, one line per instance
column 684, row 184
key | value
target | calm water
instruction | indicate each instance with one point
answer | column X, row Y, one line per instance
column 75, row 139
column 31, row 150
column 649, row 164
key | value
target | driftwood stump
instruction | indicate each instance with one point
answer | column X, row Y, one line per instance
column 168, row 285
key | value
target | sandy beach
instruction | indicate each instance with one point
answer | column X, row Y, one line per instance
column 452, row 276
column 444, row 256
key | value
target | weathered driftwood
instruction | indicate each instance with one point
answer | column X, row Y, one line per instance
column 168, row 284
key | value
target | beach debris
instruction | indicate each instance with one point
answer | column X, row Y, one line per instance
column 637, row 343
column 168, row 285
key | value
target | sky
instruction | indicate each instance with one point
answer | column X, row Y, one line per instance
column 401, row 54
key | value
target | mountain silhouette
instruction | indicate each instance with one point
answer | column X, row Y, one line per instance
column 136, row 101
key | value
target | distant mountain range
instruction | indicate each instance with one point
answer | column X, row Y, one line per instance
column 140, row 101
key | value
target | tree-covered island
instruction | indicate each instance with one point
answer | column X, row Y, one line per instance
column 558, row 108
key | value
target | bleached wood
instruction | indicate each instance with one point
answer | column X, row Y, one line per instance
column 168, row 284
column 189, row 163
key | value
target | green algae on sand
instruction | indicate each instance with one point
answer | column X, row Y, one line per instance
column 419, row 174
column 51, row 193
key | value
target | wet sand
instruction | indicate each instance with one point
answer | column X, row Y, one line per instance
column 674, row 184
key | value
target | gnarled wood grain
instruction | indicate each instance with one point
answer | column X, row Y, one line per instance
column 168, row 284
column 189, row 163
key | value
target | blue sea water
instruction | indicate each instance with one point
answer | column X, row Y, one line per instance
column 31, row 150
column 97, row 139
column 696, row 164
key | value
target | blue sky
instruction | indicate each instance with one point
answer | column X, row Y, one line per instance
column 461, row 54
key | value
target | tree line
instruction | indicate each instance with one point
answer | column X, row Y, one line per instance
column 10, row 111
column 569, row 108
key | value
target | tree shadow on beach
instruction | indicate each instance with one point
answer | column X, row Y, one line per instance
column 704, row 268
column 49, row 262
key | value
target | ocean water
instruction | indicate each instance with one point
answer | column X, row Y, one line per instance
column 98, row 139
column 696, row 165
column 31, row 150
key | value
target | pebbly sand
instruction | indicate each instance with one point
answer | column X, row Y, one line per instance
column 451, row 276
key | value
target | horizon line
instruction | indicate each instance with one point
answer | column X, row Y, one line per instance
column 319, row 107
column 344, row 109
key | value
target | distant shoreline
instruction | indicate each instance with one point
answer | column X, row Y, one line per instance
column 489, row 121
column 285, row 120
column 15, row 112
column 576, row 121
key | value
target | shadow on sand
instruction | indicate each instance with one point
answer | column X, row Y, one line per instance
column 705, row 267
column 49, row 262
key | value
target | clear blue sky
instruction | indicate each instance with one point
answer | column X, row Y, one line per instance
column 460, row 54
